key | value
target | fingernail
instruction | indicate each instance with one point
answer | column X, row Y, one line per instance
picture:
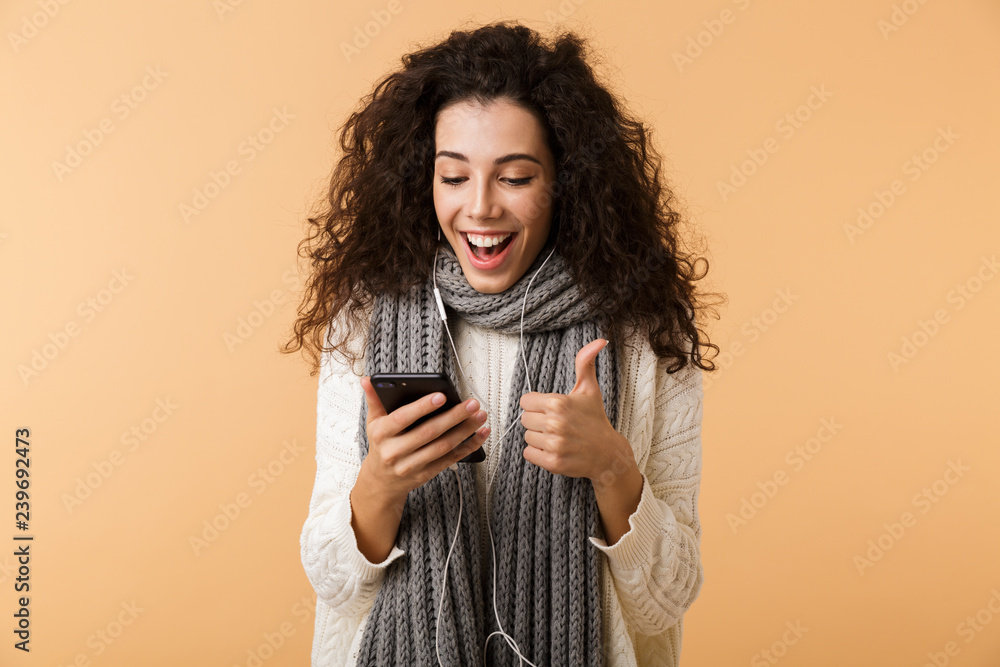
column 472, row 405
column 484, row 431
column 481, row 416
column 437, row 399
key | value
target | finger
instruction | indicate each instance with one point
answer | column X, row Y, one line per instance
column 537, row 440
column 440, row 454
column 430, row 429
column 375, row 408
column 538, row 457
column 465, row 446
column 473, row 443
column 535, row 401
column 586, row 368
column 455, row 455
column 534, row 421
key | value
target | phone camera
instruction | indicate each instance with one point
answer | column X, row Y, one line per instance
column 385, row 384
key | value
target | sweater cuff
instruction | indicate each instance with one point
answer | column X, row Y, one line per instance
column 338, row 522
column 634, row 549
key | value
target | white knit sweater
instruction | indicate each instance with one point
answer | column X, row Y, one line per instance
column 650, row 576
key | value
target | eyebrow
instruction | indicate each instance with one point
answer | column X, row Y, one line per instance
column 500, row 160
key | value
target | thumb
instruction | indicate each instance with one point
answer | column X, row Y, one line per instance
column 375, row 408
column 586, row 368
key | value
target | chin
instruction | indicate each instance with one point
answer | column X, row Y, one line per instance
column 492, row 286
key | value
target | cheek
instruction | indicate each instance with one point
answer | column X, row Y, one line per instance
column 533, row 209
column 445, row 204
column 439, row 192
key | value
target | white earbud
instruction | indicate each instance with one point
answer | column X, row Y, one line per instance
column 489, row 486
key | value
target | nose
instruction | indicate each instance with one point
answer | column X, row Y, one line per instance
column 484, row 202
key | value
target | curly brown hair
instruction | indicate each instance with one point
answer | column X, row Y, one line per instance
column 611, row 216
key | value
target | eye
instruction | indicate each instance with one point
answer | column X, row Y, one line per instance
column 516, row 182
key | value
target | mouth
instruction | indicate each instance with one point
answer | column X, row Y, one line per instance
column 488, row 258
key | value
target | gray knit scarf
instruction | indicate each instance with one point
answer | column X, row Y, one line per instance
column 548, row 592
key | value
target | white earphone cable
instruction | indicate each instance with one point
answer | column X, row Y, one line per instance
column 454, row 468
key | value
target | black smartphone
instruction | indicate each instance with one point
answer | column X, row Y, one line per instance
column 397, row 389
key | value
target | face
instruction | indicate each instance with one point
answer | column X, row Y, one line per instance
column 493, row 176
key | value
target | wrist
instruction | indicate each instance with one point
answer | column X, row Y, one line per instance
column 375, row 518
column 618, row 495
column 620, row 469
column 375, row 494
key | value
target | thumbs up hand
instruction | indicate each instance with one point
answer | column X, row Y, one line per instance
column 570, row 434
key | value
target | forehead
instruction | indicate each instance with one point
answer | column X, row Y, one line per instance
column 471, row 128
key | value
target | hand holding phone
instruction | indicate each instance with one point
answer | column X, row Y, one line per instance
column 411, row 439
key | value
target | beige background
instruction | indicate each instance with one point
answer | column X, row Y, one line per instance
column 156, row 298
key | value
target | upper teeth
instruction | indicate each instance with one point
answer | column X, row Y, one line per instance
column 487, row 241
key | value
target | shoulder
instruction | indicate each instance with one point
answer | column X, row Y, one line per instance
column 335, row 362
column 641, row 366
column 653, row 402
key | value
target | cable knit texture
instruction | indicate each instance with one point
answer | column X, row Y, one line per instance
column 545, row 587
column 648, row 578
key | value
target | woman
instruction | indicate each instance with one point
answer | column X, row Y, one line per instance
column 490, row 162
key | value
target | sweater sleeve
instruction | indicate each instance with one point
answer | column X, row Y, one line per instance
column 656, row 565
column 340, row 574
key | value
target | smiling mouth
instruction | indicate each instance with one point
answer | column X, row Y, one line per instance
column 491, row 252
